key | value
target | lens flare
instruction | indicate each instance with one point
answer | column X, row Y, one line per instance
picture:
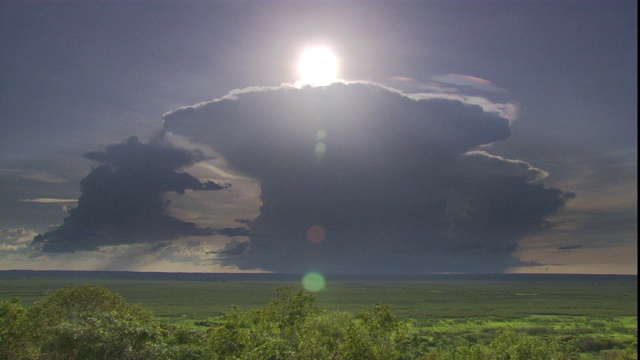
column 321, row 150
column 313, row 282
column 315, row 234
column 321, row 147
column 321, row 134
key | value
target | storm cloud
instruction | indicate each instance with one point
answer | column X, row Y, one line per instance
column 121, row 200
column 395, row 183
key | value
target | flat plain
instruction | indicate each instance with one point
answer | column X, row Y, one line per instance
column 475, row 307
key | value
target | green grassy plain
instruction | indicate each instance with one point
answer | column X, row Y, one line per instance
column 597, row 313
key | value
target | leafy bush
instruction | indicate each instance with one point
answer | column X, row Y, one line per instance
column 598, row 344
column 87, row 322
column 378, row 334
column 324, row 335
column 275, row 331
column 291, row 326
column 512, row 345
column 14, row 331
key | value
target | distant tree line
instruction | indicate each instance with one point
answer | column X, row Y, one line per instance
column 89, row 322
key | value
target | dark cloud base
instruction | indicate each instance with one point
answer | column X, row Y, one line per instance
column 121, row 199
column 384, row 175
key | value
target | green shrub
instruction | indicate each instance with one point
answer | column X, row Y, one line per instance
column 512, row 345
column 274, row 331
column 291, row 326
column 598, row 344
column 15, row 335
column 324, row 335
column 379, row 334
column 87, row 322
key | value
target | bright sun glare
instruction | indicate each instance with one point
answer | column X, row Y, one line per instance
column 318, row 66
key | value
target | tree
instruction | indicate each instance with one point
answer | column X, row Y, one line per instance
column 292, row 326
column 377, row 334
column 87, row 321
column 14, row 331
column 271, row 332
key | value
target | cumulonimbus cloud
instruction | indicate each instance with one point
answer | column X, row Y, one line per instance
column 121, row 199
column 389, row 179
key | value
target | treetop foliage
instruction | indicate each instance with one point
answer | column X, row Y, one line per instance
column 89, row 322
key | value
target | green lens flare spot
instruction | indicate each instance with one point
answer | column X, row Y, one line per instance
column 313, row 282
column 321, row 134
column 321, row 149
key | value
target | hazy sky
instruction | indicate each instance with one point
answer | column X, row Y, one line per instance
column 460, row 136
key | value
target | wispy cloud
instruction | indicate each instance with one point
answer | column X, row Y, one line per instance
column 49, row 200
column 30, row 174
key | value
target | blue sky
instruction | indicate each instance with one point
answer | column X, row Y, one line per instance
column 561, row 77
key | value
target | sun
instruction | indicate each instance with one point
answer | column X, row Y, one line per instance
column 318, row 66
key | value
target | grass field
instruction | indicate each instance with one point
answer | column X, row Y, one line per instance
column 582, row 307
